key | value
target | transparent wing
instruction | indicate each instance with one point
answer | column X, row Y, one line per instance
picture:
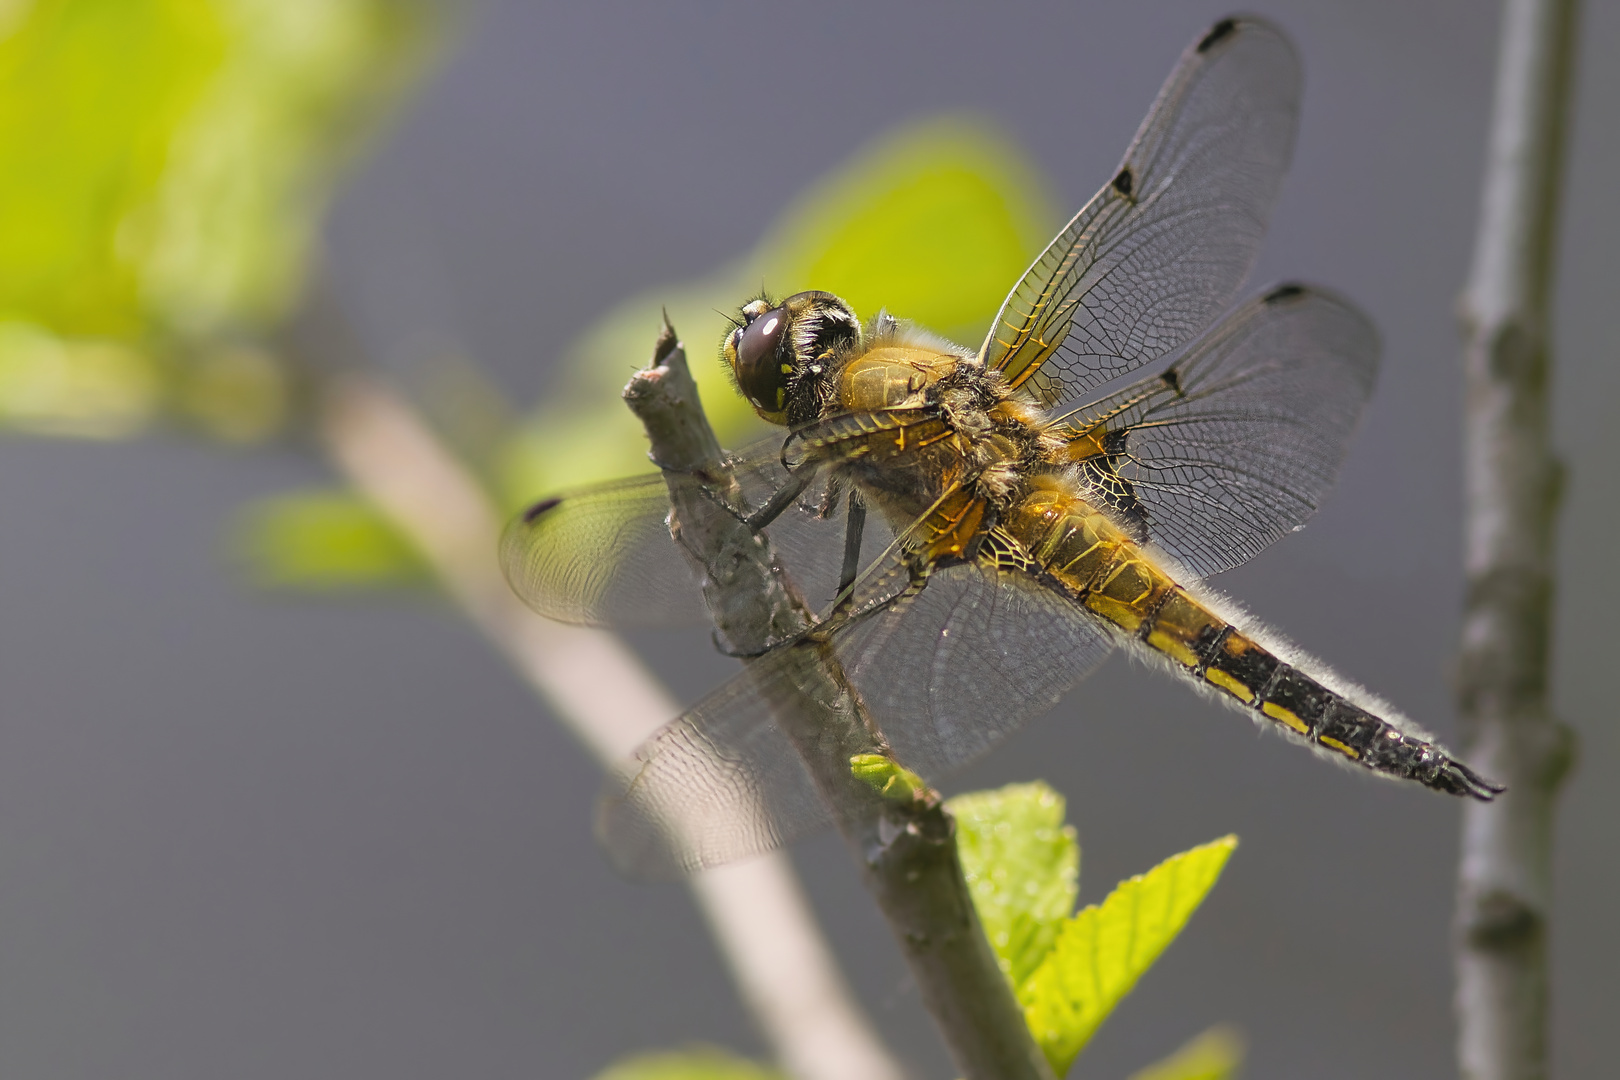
column 721, row 782
column 603, row 555
column 1236, row 443
column 1166, row 244
column 976, row 655
column 946, row 676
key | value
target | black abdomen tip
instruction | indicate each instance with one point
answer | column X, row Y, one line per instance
column 1459, row 779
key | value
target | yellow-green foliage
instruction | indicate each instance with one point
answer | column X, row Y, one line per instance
column 163, row 168
column 695, row 1063
column 1214, row 1055
column 1068, row 972
column 322, row 539
column 1023, row 865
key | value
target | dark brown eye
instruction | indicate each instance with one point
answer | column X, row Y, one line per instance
column 760, row 365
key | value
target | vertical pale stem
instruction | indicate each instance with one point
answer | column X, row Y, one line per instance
column 1512, row 493
column 761, row 922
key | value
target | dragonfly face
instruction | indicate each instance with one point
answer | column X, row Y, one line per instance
column 781, row 355
column 1039, row 502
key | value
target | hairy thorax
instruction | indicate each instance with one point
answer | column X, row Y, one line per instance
column 989, row 444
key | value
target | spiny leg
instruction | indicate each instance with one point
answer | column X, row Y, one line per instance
column 757, row 519
column 854, row 528
column 843, row 615
column 784, row 497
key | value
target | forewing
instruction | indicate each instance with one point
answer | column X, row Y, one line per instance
column 603, row 556
column 1166, row 244
column 1238, row 441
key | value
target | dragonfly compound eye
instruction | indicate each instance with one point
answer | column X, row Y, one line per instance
column 762, row 364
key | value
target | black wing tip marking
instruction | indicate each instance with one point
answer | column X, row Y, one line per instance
column 539, row 508
column 1220, row 30
column 1458, row 779
column 1123, row 181
column 1290, row 291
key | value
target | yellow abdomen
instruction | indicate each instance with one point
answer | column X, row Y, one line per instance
column 1081, row 551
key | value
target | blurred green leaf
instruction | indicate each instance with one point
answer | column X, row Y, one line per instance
column 1214, row 1055
column 695, row 1063
column 321, row 541
column 1103, row 951
column 163, row 168
column 91, row 97
column 88, row 387
column 1023, row 867
column 934, row 221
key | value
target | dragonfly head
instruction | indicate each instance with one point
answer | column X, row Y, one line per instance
column 781, row 353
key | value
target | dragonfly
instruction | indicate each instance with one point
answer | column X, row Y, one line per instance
column 979, row 530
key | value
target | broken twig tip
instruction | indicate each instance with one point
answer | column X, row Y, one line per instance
column 668, row 340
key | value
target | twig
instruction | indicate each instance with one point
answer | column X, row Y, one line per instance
column 1512, row 493
column 906, row 846
column 756, row 910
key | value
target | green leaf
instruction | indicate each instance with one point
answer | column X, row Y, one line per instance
column 1023, row 867
column 228, row 231
column 1103, row 951
column 164, row 166
column 934, row 221
column 85, row 387
column 321, row 541
column 173, row 157
column 1214, row 1055
column 693, row 1063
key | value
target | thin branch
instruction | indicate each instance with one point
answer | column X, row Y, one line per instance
column 1512, row 494
column 758, row 914
column 906, row 846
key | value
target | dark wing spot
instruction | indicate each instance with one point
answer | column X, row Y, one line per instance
column 1284, row 292
column 1172, row 379
column 1216, row 32
column 1123, row 182
column 539, row 508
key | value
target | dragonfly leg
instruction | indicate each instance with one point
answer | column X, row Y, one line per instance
column 853, row 530
column 843, row 615
column 759, row 518
column 784, row 497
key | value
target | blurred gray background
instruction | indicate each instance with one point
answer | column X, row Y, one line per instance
column 272, row 837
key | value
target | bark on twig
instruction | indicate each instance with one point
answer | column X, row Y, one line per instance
column 758, row 914
column 1512, row 493
column 907, row 848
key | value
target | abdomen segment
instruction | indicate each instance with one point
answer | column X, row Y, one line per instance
column 1080, row 550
